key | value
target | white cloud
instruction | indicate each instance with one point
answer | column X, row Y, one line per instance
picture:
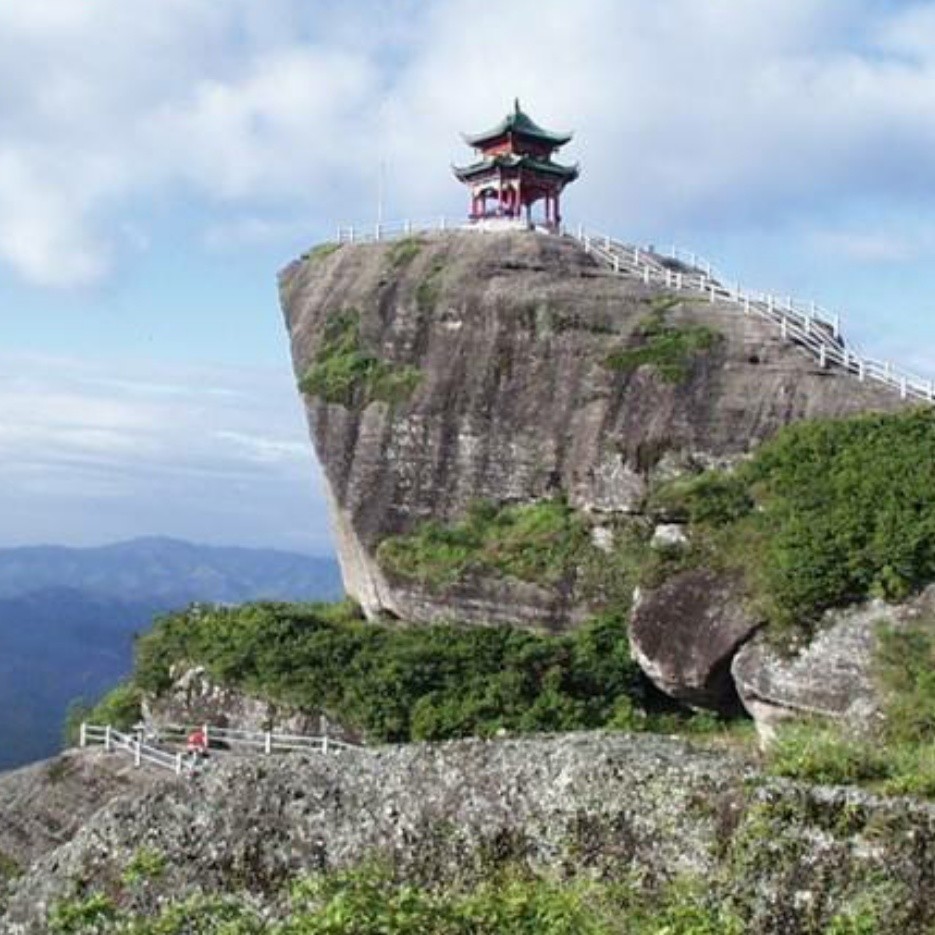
column 727, row 111
column 104, row 451
column 865, row 246
column 264, row 449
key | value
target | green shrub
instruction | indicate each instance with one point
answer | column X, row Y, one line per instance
column 820, row 753
column 344, row 372
column 715, row 497
column 392, row 383
column 669, row 349
column 120, row 708
column 146, row 865
column 83, row 916
column 404, row 251
column 400, row 683
column 826, row 514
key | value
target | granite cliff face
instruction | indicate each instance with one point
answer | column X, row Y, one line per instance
column 506, row 368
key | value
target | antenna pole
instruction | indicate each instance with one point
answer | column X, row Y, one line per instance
column 381, row 187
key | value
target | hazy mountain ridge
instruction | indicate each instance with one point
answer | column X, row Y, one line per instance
column 167, row 570
column 68, row 616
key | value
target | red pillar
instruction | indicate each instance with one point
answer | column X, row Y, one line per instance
column 558, row 210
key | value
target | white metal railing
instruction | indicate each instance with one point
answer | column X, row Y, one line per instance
column 142, row 752
column 806, row 324
column 265, row 742
column 370, row 233
column 803, row 323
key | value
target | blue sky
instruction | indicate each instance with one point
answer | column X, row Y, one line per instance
column 160, row 162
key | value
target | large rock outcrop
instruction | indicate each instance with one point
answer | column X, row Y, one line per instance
column 495, row 351
column 833, row 676
column 608, row 806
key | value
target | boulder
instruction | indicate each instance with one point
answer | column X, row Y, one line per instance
column 831, row 677
column 497, row 350
column 684, row 634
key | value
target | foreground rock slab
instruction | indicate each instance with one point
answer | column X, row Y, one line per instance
column 43, row 805
column 595, row 805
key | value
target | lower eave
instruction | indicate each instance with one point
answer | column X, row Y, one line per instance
column 492, row 168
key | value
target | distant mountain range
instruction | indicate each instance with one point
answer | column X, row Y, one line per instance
column 169, row 571
column 68, row 616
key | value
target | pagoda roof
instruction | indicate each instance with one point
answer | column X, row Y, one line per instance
column 522, row 125
column 515, row 161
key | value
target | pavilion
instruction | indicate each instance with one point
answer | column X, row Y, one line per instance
column 514, row 170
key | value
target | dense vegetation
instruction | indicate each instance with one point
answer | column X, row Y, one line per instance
column 827, row 514
column 369, row 901
column 120, row 708
column 399, row 683
column 345, row 372
column 669, row 349
column 898, row 757
column 546, row 543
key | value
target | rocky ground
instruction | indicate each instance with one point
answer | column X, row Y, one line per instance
column 42, row 806
column 600, row 805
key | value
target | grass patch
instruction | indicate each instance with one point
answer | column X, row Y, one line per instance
column 10, row 869
column 546, row 543
column 818, row 752
column 537, row 542
column 321, row 251
column 825, row 515
column 670, row 350
column 900, row 757
column 404, row 251
column 345, row 372
column 429, row 289
column 146, row 866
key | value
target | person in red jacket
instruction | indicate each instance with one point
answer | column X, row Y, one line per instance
column 197, row 743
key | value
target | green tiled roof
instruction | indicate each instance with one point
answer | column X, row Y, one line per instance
column 513, row 161
column 521, row 124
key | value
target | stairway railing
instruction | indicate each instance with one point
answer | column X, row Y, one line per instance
column 803, row 323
